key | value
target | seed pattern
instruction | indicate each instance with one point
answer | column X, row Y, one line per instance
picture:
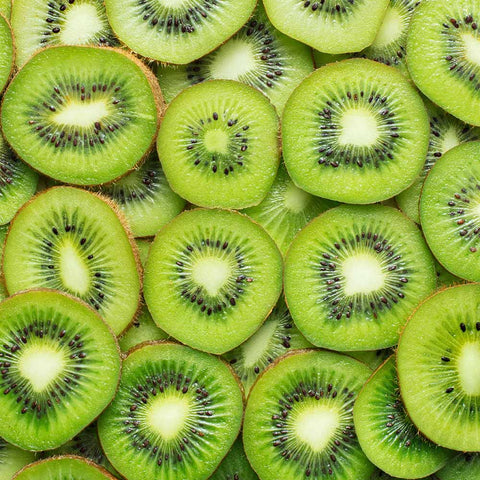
column 335, row 8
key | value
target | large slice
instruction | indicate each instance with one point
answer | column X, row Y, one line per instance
column 299, row 421
column 60, row 368
column 438, row 367
column 218, row 144
column 176, row 414
column 211, row 278
column 13, row 459
column 81, row 115
column 364, row 132
column 354, row 275
column 7, row 52
column 71, row 240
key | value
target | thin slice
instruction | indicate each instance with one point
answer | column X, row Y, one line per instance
column 13, row 459
column 235, row 465
column 465, row 466
column 7, row 52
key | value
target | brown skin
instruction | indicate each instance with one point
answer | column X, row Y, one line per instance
column 13, row 56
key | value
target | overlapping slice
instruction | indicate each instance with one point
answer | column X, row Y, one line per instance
column 211, row 278
column 354, row 275
column 465, row 466
column 7, row 52
column 13, row 459
column 235, row 465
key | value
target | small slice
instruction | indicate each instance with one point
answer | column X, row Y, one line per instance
column 60, row 368
column 13, row 459
column 218, row 144
column 465, row 466
column 235, row 465
column 364, row 132
column 354, row 275
column 438, row 362
column 81, row 115
column 211, row 279
column 7, row 51
column 71, row 240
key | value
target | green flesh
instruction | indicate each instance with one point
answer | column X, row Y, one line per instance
column 218, row 144
column 176, row 32
column 450, row 211
column 445, row 278
column 379, row 475
column 235, row 465
column 211, row 279
column 6, row 51
column 464, row 467
column 274, row 338
column 386, row 434
column 43, row 23
column 355, row 131
column 6, row 8
column 443, row 55
column 257, row 55
column 176, row 414
column 438, row 359
column 143, row 246
column 286, row 210
column 332, row 26
column 70, row 240
column 12, row 459
column 145, row 198
column 62, row 367
column 299, row 422
column 66, row 114
column 354, row 275
column 321, row 59
column 372, row 358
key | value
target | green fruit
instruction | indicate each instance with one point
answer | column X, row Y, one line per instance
column 12, row 459
column 235, row 465
column 465, row 466
column 7, row 51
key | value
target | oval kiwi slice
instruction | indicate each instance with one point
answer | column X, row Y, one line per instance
column 218, row 144
column 235, row 465
column 176, row 414
column 211, row 278
column 364, row 132
column 386, row 434
column 438, row 362
column 60, row 368
column 465, row 466
column 7, row 52
column 13, row 459
column 72, row 240
column 299, row 422
column 81, row 115
column 354, row 275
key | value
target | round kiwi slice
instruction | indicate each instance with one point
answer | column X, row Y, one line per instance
column 81, row 115
column 286, row 210
column 211, row 279
column 145, row 198
column 60, row 368
column 386, row 434
column 277, row 336
column 331, row 26
column 354, row 275
column 299, row 422
column 442, row 51
column 43, row 23
column 235, row 465
column 450, row 210
column 465, row 466
column 364, row 132
column 258, row 55
column 13, row 459
column 7, row 52
column 218, row 144
column 176, row 414
column 438, row 361
column 178, row 31
column 72, row 240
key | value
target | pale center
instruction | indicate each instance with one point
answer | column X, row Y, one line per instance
column 234, row 59
column 450, row 140
column 316, row 426
column 471, row 46
column 363, row 274
column 82, row 24
column 41, row 365
column 358, row 127
column 255, row 346
column 469, row 368
column 173, row 3
column 390, row 30
column 211, row 273
column 74, row 272
column 85, row 114
column 167, row 416
column 216, row 141
column 295, row 199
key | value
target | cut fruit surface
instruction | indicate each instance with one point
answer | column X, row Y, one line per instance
column 7, row 52
column 235, row 465
column 13, row 459
column 465, row 466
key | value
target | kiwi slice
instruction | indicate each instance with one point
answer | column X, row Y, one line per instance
column 465, row 466
column 449, row 210
column 81, row 115
column 258, row 55
column 299, row 421
column 176, row 32
column 438, row 361
column 277, row 336
column 386, row 434
column 442, row 50
column 364, row 132
column 211, row 279
column 446, row 132
column 379, row 475
column 286, row 210
column 372, row 358
column 43, row 23
column 331, row 26
column 354, row 275
column 218, row 144
column 60, row 368
column 320, row 59
column 13, row 459
column 7, row 51
column 72, row 240
column 445, row 278
column 176, row 414
column 235, row 465
column 143, row 246
column 145, row 198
